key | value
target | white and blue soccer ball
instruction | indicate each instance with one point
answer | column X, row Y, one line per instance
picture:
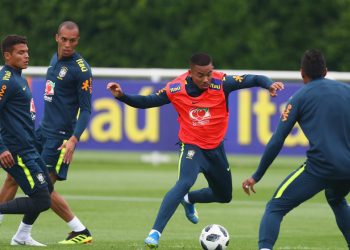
column 214, row 237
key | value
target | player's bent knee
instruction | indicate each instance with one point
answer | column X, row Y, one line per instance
column 10, row 180
column 42, row 200
column 226, row 198
column 278, row 207
column 185, row 186
column 50, row 187
column 333, row 198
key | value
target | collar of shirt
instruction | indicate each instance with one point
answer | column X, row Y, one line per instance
column 192, row 89
column 13, row 70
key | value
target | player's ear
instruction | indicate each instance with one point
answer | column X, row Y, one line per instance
column 7, row 56
column 325, row 72
column 302, row 73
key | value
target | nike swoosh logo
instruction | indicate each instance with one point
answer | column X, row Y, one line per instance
column 23, row 243
column 194, row 102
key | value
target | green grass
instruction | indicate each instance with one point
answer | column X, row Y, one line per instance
column 117, row 197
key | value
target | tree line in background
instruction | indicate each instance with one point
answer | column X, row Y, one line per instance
column 239, row 34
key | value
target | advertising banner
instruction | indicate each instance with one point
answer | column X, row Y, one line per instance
column 116, row 126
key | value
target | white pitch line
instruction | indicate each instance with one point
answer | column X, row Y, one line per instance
column 149, row 199
column 111, row 198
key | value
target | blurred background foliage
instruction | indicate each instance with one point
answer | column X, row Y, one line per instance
column 239, row 34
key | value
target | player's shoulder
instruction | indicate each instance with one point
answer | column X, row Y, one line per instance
column 299, row 95
column 7, row 76
column 8, row 82
column 177, row 84
column 80, row 63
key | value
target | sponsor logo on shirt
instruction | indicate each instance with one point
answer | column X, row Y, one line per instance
column 7, row 76
column 190, row 154
column 2, row 91
column 215, row 85
column 199, row 116
column 286, row 112
column 238, row 78
column 175, row 87
column 81, row 64
column 87, row 85
column 32, row 109
column 49, row 90
column 62, row 73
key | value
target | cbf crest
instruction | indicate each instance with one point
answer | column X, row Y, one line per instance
column 41, row 178
column 190, row 154
column 62, row 73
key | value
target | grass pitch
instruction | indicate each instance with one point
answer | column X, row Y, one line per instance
column 117, row 197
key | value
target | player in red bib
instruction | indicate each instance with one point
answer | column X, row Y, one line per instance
column 200, row 96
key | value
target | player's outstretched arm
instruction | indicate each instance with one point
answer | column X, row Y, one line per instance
column 115, row 89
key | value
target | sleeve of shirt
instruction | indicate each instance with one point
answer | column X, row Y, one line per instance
column 143, row 102
column 232, row 82
column 286, row 123
column 5, row 95
column 84, row 89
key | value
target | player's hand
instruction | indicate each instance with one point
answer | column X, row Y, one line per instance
column 6, row 159
column 115, row 89
column 276, row 86
column 70, row 147
column 248, row 185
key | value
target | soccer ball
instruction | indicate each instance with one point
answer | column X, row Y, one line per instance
column 214, row 237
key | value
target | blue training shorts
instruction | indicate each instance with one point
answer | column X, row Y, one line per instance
column 29, row 172
column 53, row 158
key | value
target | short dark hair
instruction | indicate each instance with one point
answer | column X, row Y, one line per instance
column 200, row 59
column 11, row 40
column 313, row 63
column 69, row 25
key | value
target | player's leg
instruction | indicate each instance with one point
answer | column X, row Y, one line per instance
column 188, row 172
column 23, row 234
column 7, row 192
column 298, row 187
column 34, row 182
column 58, row 172
column 9, row 189
column 336, row 199
column 218, row 174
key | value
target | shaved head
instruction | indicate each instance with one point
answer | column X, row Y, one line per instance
column 68, row 25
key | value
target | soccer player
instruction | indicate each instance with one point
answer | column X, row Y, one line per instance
column 200, row 96
column 67, row 93
column 321, row 107
column 18, row 156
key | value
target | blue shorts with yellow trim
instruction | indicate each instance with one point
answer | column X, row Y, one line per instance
column 29, row 172
column 53, row 158
column 302, row 185
column 213, row 164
